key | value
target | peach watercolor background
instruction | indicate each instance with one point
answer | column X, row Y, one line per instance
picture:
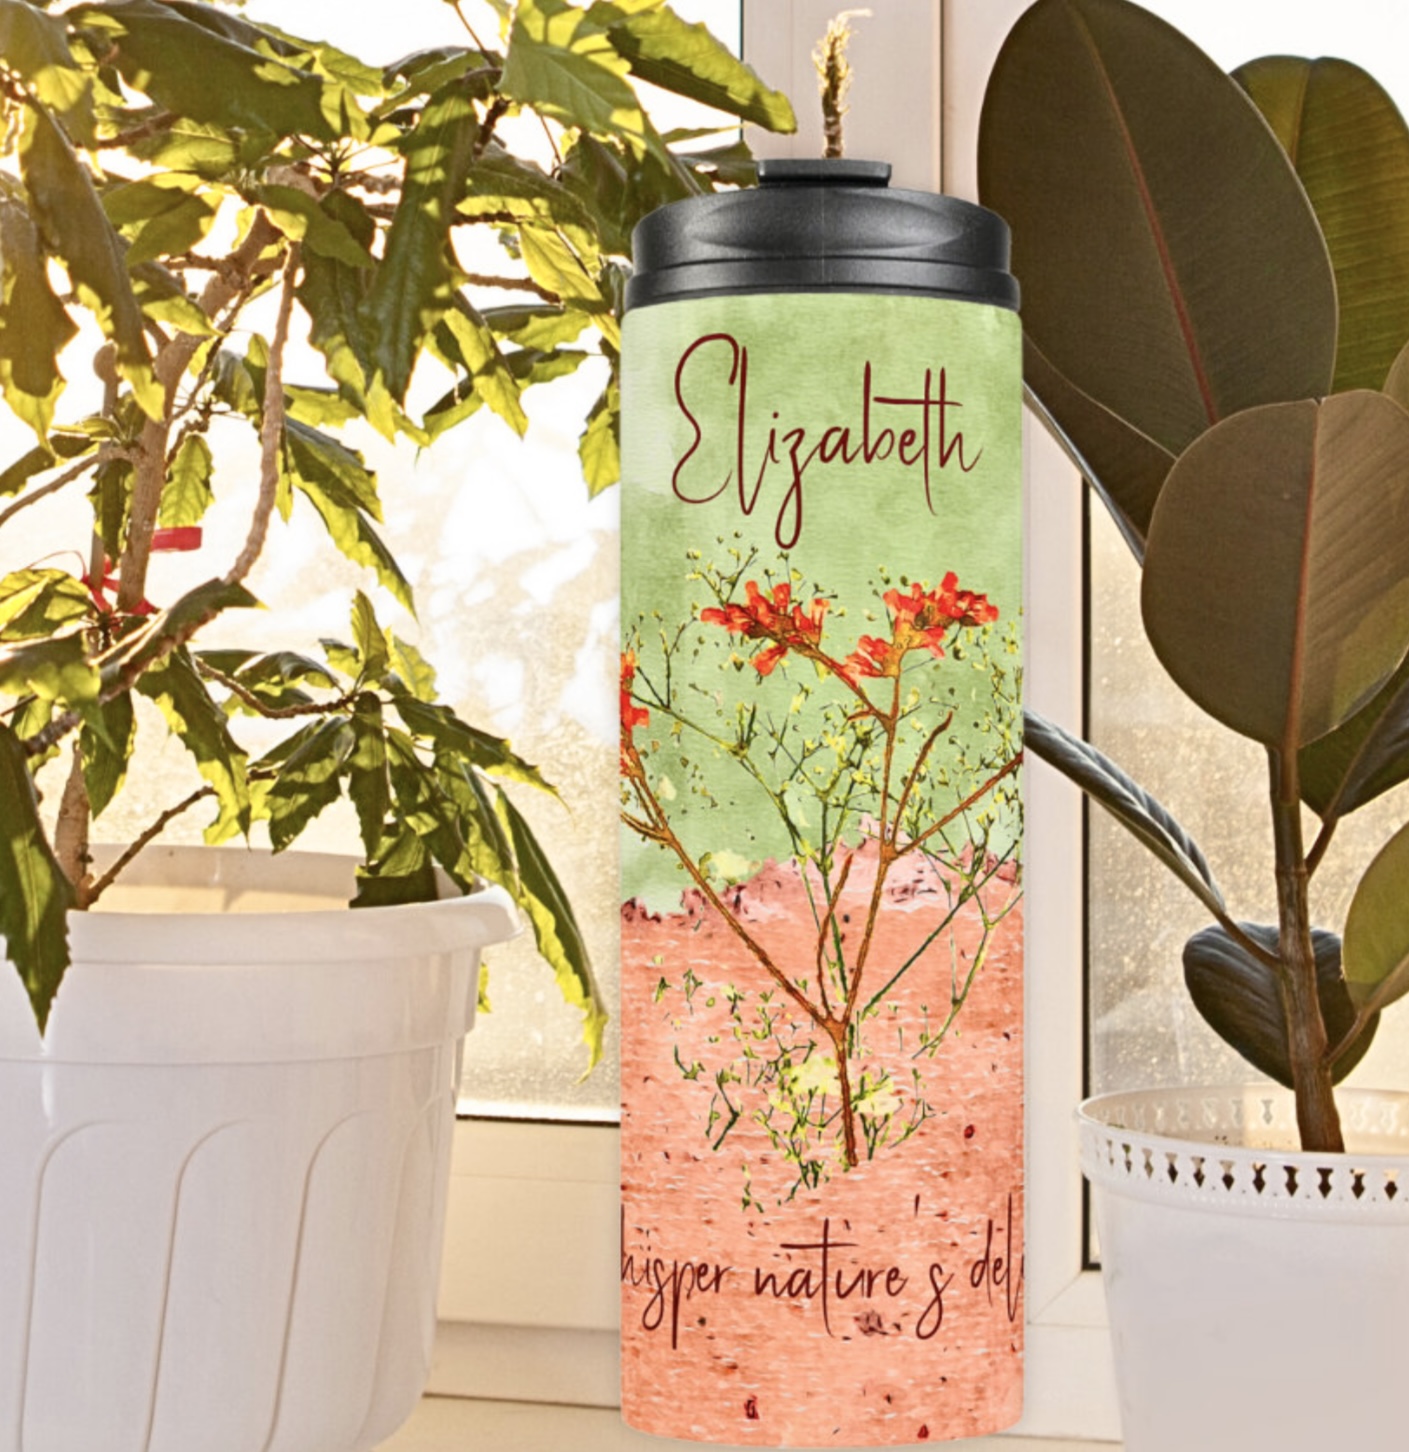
column 755, row 1371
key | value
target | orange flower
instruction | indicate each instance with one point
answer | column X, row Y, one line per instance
column 770, row 617
column 632, row 715
column 920, row 620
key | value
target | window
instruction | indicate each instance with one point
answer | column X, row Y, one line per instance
column 1143, row 1030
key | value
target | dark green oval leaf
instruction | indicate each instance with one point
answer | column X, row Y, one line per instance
column 1276, row 581
column 1350, row 147
column 1238, row 997
column 1132, row 806
column 1377, row 928
column 1172, row 267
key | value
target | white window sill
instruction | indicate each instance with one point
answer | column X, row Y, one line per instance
column 448, row 1424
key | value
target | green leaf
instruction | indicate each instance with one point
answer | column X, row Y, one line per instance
column 1289, row 526
column 565, row 67
column 1126, row 469
column 184, row 58
column 439, row 724
column 1377, row 929
column 403, row 872
column 302, row 217
column 34, row 326
column 187, row 493
column 55, row 669
column 1362, row 759
column 163, row 299
column 343, row 491
column 1350, row 147
column 560, row 942
column 1133, row 807
column 1240, row 999
column 501, row 184
column 412, row 671
column 554, row 265
column 201, row 727
column 538, row 326
column 195, row 609
column 334, row 293
column 686, row 59
column 206, row 151
column 105, row 744
column 600, row 445
column 309, row 780
column 35, row 896
column 37, row 601
column 368, row 783
column 111, row 498
column 272, row 679
column 1172, row 267
column 415, row 285
column 35, row 46
column 370, row 640
column 76, row 230
column 174, row 232
column 463, row 338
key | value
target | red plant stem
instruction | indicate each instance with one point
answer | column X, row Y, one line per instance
column 1318, row 1119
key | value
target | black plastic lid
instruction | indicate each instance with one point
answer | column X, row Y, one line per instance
column 811, row 226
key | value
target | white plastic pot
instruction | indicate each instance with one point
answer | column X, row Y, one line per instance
column 1257, row 1295
column 223, row 1171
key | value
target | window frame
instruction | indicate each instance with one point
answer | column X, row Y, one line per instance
column 529, row 1298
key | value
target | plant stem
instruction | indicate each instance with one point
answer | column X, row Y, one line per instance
column 71, row 831
column 1318, row 1119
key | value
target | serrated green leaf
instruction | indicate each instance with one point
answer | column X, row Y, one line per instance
column 344, row 491
column 201, row 726
column 35, row 896
column 501, row 185
column 184, row 58
column 162, row 298
column 538, row 326
column 105, row 747
column 130, row 203
column 308, row 781
column 36, row 602
column 302, row 217
column 195, row 609
column 370, row 640
column 55, row 669
column 273, row 678
column 111, row 498
column 415, row 284
column 34, row 326
column 42, row 457
column 413, row 671
column 403, row 872
column 600, row 445
column 560, row 941
column 205, row 150
column 566, row 67
column 465, row 340
column 686, row 59
column 187, row 493
column 174, row 232
column 76, row 230
column 368, row 783
column 439, row 724
column 35, row 46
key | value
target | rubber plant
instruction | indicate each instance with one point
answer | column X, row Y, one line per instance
column 1215, row 278
column 167, row 166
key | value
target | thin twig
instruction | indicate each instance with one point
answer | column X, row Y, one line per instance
column 53, row 486
column 271, row 430
column 147, row 837
column 263, row 708
column 516, row 284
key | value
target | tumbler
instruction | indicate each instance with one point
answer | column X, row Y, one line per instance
column 821, row 921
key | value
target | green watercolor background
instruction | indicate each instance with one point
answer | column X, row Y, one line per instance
column 806, row 357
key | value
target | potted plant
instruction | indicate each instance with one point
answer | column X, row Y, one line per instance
column 1215, row 280
column 227, row 1126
